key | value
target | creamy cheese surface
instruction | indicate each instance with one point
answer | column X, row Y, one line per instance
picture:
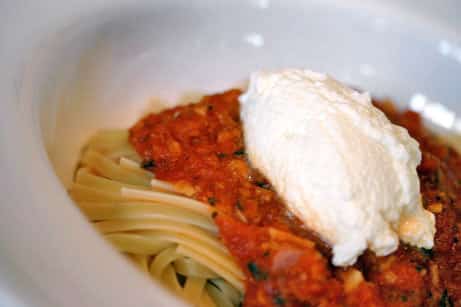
column 339, row 164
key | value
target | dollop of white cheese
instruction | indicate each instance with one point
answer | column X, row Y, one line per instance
column 339, row 164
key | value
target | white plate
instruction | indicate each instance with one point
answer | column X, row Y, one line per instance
column 70, row 67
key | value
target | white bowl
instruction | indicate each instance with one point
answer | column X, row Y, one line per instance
column 71, row 67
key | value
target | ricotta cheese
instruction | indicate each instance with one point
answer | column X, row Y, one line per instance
column 339, row 164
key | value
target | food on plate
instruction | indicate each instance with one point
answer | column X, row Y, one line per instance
column 245, row 199
column 144, row 217
column 338, row 163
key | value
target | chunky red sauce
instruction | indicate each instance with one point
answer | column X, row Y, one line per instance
column 200, row 148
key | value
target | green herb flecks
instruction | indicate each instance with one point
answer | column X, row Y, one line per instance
column 239, row 153
column 263, row 184
column 445, row 300
column 428, row 253
column 256, row 272
column 148, row 164
column 419, row 267
column 279, row 301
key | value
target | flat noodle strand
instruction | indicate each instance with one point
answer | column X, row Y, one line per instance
column 218, row 268
column 193, row 289
column 228, row 291
column 206, row 300
column 80, row 192
column 109, row 169
column 170, row 279
column 85, row 177
column 218, row 297
column 162, row 261
column 97, row 211
column 181, row 229
column 223, row 258
column 168, row 199
column 189, row 267
column 137, row 244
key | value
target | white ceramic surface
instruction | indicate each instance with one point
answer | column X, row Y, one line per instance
column 71, row 67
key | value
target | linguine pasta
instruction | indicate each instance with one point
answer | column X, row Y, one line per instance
column 170, row 237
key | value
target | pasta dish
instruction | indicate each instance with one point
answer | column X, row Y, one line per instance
column 176, row 194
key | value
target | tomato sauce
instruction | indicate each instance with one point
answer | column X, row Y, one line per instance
column 199, row 147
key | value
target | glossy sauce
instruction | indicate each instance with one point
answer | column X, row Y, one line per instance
column 199, row 147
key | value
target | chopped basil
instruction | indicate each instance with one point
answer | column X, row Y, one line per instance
column 266, row 254
column 212, row 201
column 419, row 267
column 148, row 164
column 256, row 272
column 436, row 177
column 426, row 252
column 263, row 184
column 445, row 300
column 221, row 155
column 404, row 298
column 239, row 205
column 279, row 301
column 239, row 152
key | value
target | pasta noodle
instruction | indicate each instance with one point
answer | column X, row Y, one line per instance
column 168, row 236
column 167, row 198
column 143, row 210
